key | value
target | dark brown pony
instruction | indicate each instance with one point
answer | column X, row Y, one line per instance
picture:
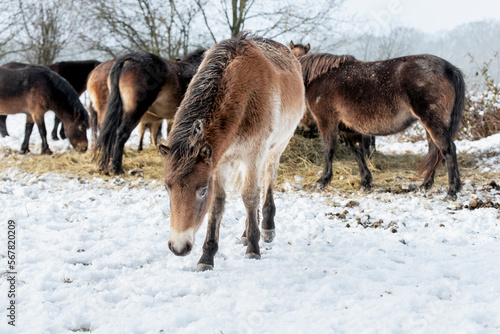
column 239, row 113
column 140, row 82
column 75, row 72
column 385, row 97
column 34, row 90
column 308, row 127
column 97, row 87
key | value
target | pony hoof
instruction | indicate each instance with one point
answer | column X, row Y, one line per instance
column 450, row 198
column 319, row 186
column 244, row 241
column 204, row 267
column 47, row 152
column 24, row 151
column 267, row 235
column 118, row 172
column 252, row 256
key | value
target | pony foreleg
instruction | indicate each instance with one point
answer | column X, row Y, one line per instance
column 3, row 126
column 211, row 244
column 27, row 134
column 357, row 144
column 330, row 145
column 57, row 121
column 154, row 130
column 40, row 123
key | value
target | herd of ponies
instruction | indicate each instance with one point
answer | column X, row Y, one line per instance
column 233, row 109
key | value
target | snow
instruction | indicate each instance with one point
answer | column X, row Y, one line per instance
column 93, row 254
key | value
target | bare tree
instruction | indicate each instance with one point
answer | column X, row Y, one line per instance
column 159, row 27
column 267, row 18
column 45, row 29
column 397, row 41
column 8, row 27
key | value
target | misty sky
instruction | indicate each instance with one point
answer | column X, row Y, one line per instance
column 427, row 15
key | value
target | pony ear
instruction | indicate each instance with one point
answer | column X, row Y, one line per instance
column 197, row 132
column 307, row 48
column 164, row 150
column 206, row 153
column 292, row 45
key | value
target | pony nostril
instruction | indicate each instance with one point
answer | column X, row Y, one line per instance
column 170, row 246
column 189, row 246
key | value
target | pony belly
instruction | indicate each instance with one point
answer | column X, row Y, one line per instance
column 383, row 123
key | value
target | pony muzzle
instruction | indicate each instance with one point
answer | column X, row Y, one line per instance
column 181, row 243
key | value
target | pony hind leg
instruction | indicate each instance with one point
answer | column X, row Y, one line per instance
column 432, row 166
column 130, row 121
column 211, row 244
column 269, row 208
column 442, row 147
column 251, row 197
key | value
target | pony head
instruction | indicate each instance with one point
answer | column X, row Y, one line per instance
column 188, row 180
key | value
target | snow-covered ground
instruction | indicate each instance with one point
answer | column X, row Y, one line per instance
column 93, row 254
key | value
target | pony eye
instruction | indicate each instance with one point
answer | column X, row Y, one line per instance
column 202, row 192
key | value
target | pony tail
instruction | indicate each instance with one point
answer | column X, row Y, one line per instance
column 432, row 161
column 114, row 113
column 434, row 157
column 456, row 77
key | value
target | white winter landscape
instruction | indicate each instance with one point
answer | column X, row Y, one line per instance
column 92, row 255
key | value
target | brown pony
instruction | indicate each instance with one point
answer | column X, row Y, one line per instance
column 34, row 90
column 308, row 126
column 140, row 82
column 97, row 87
column 385, row 97
column 239, row 113
column 75, row 72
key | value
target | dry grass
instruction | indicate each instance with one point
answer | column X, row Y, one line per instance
column 303, row 157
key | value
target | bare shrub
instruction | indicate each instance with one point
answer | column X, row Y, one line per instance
column 482, row 110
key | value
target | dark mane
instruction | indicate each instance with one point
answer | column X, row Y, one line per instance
column 64, row 88
column 200, row 100
column 317, row 64
column 197, row 54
